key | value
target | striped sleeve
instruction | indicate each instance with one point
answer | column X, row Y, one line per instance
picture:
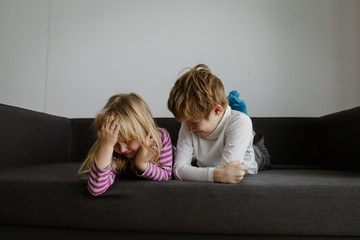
column 100, row 180
column 163, row 170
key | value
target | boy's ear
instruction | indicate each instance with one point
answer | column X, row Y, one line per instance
column 218, row 110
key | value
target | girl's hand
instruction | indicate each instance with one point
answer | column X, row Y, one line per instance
column 109, row 131
column 108, row 137
column 144, row 155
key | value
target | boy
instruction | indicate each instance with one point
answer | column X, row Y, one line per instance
column 218, row 138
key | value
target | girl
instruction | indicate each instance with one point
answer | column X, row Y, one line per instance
column 127, row 138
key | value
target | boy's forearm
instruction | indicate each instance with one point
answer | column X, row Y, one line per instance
column 186, row 172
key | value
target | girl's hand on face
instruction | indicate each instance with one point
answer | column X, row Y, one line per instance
column 107, row 136
column 144, row 155
column 109, row 131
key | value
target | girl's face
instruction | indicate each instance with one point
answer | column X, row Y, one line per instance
column 128, row 148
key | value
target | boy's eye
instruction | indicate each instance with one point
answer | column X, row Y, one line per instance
column 129, row 141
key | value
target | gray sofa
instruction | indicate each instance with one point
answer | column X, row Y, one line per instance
column 312, row 190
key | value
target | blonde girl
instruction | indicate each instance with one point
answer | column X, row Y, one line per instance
column 127, row 138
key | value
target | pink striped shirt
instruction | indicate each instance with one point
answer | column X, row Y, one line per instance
column 100, row 180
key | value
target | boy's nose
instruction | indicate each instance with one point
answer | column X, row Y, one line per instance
column 190, row 128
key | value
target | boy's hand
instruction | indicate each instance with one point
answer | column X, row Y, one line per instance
column 108, row 133
column 144, row 155
column 232, row 173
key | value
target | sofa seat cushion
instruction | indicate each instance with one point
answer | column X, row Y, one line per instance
column 275, row 202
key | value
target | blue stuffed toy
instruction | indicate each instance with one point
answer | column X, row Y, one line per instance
column 236, row 103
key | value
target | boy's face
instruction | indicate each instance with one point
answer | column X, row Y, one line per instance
column 204, row 127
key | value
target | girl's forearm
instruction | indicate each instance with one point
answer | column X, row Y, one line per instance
column 104, row 156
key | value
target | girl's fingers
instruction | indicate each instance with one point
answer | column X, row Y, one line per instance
column 111, row 122
column 109, row 119
column 110, row 126
column 117, row 128
column 115, row 124
column 148, row 137
column 106, row 124
column 150, row 140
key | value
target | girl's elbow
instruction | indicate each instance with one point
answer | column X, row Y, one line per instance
column 167, row 176
column 95, row 193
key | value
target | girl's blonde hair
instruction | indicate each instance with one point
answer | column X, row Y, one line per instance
column 135, row 121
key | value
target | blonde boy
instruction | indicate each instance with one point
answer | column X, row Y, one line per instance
column 218, row 138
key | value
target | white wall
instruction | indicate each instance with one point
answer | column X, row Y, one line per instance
column 23, row 52
column 285, row 57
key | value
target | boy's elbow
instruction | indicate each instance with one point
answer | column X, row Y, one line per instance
column 177, row 172
column 177, row 177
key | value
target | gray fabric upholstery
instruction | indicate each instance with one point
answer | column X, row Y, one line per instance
column 280, row 202
column 35, row 232
column 298, row 198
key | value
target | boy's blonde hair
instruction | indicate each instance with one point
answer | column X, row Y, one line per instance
column 135, row 121
column 195, row 94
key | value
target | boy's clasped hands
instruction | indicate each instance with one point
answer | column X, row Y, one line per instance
column 233, row 172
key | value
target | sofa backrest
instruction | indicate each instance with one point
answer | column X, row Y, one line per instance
column 331, row 141
column 83, row 136
column 290, row 141
column 32, row 137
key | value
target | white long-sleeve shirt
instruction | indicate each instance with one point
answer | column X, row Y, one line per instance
column 232, row 140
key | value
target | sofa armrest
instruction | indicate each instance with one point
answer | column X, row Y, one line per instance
column 33, row 137
column 338, row 138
